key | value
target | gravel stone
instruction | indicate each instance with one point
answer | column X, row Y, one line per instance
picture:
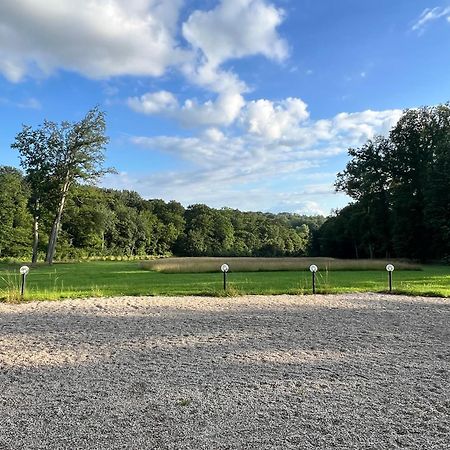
column 354, row 371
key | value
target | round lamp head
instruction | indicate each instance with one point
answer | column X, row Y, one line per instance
column 390, row 267
column 24, row 270
column 313, row 268
column 224, row 268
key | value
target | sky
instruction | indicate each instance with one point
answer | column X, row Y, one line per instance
column 248, row 104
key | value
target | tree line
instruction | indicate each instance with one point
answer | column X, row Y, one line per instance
column 400, row 186
column 107, row 222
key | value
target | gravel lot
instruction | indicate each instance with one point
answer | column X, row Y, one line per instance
column 360, row 371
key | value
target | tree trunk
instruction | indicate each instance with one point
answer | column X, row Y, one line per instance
column 35, row 240
column 34, row 256
column 370, row 251
column 56, row 223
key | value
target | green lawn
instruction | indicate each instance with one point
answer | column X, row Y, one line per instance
column 126, row 278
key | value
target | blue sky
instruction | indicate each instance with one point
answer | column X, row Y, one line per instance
column 250, row 104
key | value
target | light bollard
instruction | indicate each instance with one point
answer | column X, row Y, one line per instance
column 224, row 268
column 313, row 268
column 390, row 268
column 24, row 272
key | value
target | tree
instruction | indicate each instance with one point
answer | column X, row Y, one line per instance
column 437, row 189
column 58, row 155
column 37, row 160
column 401, row 185
column 14, row 217
column 367, row 178
column 414, row 140
column 86, row 219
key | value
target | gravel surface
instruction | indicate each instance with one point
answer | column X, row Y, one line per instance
column 359, row 371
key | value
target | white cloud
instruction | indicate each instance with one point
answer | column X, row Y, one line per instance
column 201, row 187
column 364, row 125
column 272, row 120
column 246, row 169
column 262, row 117
column 430, row 15
column 95, row 38
column 11, row 67
column 300, row 146
column 214, row 135
column 221, row 112
column 101, row 39
column 154, row 103
column 231, row 30
column 292, row 203
column 235, row 29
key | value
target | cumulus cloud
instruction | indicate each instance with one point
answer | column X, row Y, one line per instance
column 236, row 29
column 254, row 163
column 101, row 39
column 364, row 125
column 154, row 102
column 95, row 38
column 231, row 30
column 273, row 120
column 221, row 112
column 430, row 15
column 300, row 146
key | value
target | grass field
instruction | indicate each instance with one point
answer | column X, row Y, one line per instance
column 90, row 279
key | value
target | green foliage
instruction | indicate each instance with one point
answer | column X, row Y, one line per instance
column 401, row 188
column 105, row 223
column 15, row 230
column 54, row 157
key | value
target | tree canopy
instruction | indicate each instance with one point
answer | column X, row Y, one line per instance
column 401, row 191
column 54, row 157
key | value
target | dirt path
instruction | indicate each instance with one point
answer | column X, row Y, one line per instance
column 360, row 371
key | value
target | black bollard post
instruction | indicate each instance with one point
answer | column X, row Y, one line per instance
column 390, row 268
column 24, row 272
column 314, row 282
column 313, row 268
column 224, row 268
column 22, row 290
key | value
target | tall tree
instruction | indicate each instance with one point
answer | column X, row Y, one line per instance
column 367, row 179
column 37, row 160
column 79, row 149
column 402, row 186
column 58, row 155
column 437, row 189
column 415, row 140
